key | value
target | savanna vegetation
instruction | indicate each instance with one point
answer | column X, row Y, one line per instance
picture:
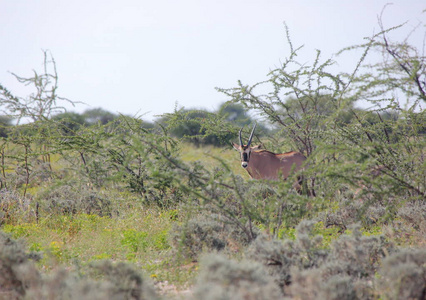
column 105, row 206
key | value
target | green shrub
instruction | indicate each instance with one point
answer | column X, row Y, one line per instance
column 160, row 240
column 134, row 240
column 21, row 230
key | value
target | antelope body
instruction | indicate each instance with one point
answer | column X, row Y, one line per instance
column 263, row 164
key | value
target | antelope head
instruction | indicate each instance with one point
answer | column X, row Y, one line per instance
column 245, row 150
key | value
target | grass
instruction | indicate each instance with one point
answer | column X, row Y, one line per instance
column 139, row 237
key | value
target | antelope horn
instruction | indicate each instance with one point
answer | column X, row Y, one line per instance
column 251, row 135
column 241, row 140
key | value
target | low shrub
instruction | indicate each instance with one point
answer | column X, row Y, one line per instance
column 403, row 275
column 124, row 280
column 311, row 284
column 104, row 280
column 72, row 198
column 359, row 256
column 221, row 278
column 17, row 272
column 281, row 257
column 304, row 269
column 63, row 284
column 13, row 206
column 206, row 233
column 352, row 211
column 198, row 234
column 20, row 279
column 411, row 221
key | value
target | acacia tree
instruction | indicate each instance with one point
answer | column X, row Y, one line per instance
column 399, row 76
column 33, row 139
column 306, row 85
column 346, row 152
column 43, row 102
column 396, row 87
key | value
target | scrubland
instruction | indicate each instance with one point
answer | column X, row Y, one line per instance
column 123, row 209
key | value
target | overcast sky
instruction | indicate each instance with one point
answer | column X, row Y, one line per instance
column 143, row 56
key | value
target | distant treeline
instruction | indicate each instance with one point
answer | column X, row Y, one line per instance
column 188, row 124
column 193, row 125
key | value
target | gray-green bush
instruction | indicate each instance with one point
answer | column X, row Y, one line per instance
column 17, row 272
column 71, row 198
column 20, row 279
column 403, row 275
column 221, row 278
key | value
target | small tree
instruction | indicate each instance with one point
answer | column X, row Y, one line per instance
column 36, row 138
column 43, row 103
column 314, row 109
column 296, row 93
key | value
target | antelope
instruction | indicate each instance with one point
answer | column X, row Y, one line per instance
column 263, row 164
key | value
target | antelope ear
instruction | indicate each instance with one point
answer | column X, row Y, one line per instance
column 258, row 147
column 236, row 147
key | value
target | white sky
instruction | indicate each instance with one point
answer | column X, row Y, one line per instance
column 131, row 56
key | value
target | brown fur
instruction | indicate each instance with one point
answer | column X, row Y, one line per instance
column 264, row 164
column 267, row 165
